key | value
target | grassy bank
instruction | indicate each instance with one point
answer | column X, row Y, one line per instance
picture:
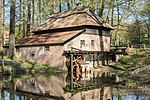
column 135, row 69
column 19, row 66
column 136, row 58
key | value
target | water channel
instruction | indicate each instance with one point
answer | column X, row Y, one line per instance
column 94, row 85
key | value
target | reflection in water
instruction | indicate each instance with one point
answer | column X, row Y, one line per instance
column 89, row 86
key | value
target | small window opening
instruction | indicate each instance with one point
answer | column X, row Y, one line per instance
column 69, row 46
column 46, row 48
column 92, row 42
column 82, row 43
column 17, row 49
column 33, row 55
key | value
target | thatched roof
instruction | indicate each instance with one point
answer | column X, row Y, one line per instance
column 74, row 18
column 45, row 39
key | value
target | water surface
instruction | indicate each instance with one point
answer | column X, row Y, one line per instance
column 89, row 86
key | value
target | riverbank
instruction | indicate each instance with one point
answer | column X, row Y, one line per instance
column 19, row 66
column 134, row 69
column 136, row 58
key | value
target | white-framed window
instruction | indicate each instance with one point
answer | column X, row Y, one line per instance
column 82, row 43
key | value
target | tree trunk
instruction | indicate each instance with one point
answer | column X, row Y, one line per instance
column 3, row 22
column 33, row 12
column 109, row 9
column 59, row 5
column 118, row 24
column 24, row 21
column 12, row 89
column 73, row 4
column 28, row 18
column 68, row 5
column 12, row 29
column 54, row 6
column 20, row 16
column 102, row 8
column 39, row 8
column 2, row 25
column 149, row 29
column 112, row 13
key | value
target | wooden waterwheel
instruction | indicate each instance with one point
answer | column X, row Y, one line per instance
column 77, row 70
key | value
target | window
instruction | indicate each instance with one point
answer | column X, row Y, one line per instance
column 82, row 43
column 17, row 49
column 33, row 55
column 92, row 42
column 46, row 48
column 69, row 46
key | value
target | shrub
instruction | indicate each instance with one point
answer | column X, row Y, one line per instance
column 124, row 60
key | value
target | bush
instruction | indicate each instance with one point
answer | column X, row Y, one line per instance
column 124, row 60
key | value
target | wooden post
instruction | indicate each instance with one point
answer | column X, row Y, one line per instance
column 2, row 91
column 71, row 78
column 93, row 60
column 98, row 60
column 107, row 58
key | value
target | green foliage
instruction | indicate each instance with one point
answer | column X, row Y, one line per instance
column 147, row 60
column 52, row 68
column 137, row 59
column 5, row 57
column 124, row 60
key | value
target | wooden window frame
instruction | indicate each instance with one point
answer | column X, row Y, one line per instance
column 82, row 43
column 47, row 48
column 92, row 43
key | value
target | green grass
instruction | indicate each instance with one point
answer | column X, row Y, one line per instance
column 51, row 68
column 30, row 65
column 147, row 60
column 138, row 59
column 5, row 57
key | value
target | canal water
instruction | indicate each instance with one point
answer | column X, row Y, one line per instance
column 89, row 86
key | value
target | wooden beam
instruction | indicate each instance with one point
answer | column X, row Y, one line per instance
column 98, row 60
column 71, row 78
column 107, row 59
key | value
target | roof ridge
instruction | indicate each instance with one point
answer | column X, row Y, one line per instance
column 86, row 9
column 70, row 19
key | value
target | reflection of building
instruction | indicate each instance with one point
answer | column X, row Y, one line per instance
column 51, row 88
column 100, row 87
column 77, row 30
column 93, row 88
column 94, row 94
